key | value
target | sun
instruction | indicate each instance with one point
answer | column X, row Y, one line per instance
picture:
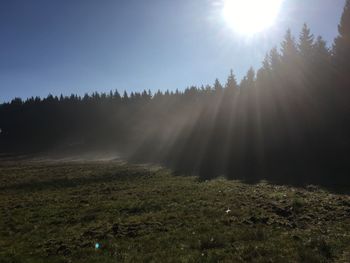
column 249, row 17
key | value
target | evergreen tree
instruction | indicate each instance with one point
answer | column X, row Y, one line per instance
column 231, row 83
column 244, row 83
column 290, row 72
column 266, row 63
column 274, row 60
column 116, row 95
column 321, row 50
column 217, row 86
column 322, row 70
column 17, row 102
column 308, row 70
column 289, row 48
column 341, row 48
column 208, row 89
column 125, row 96
column 251, row 78
column 322, row 57
column 306, row 44
column 264, row 73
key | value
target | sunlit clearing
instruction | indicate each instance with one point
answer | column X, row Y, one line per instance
column 248, row 17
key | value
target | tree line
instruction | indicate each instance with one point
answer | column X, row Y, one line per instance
column 287, row 122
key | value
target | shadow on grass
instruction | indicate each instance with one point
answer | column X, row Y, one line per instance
column 62, row 183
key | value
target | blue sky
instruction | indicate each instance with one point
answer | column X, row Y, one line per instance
column 78, row 46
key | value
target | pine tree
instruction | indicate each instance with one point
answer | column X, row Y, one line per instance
column 289, row 48
column 144, row 95
column 322, row 67
column 125, row 96
column 322, row 53
column 251, row 78
column 266, row 63
column 264, row 72
column 308, row 71
column 116, row 95
column 341, row 48
column 274, row 60
column 217, row 86
column 244, row 83
column 290, row 71
column 231, row 83
column 306, row 44
column 248, row 80
column 208, row 88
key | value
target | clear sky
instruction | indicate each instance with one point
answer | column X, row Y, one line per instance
column 78, row 46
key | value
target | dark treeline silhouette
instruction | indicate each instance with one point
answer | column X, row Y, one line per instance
column 288, row 122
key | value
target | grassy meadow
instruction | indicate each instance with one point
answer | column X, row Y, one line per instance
column 118, row 212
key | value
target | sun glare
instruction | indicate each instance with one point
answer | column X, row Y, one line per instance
column 249, row 17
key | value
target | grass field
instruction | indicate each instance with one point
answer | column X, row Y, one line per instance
column 58, row 212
